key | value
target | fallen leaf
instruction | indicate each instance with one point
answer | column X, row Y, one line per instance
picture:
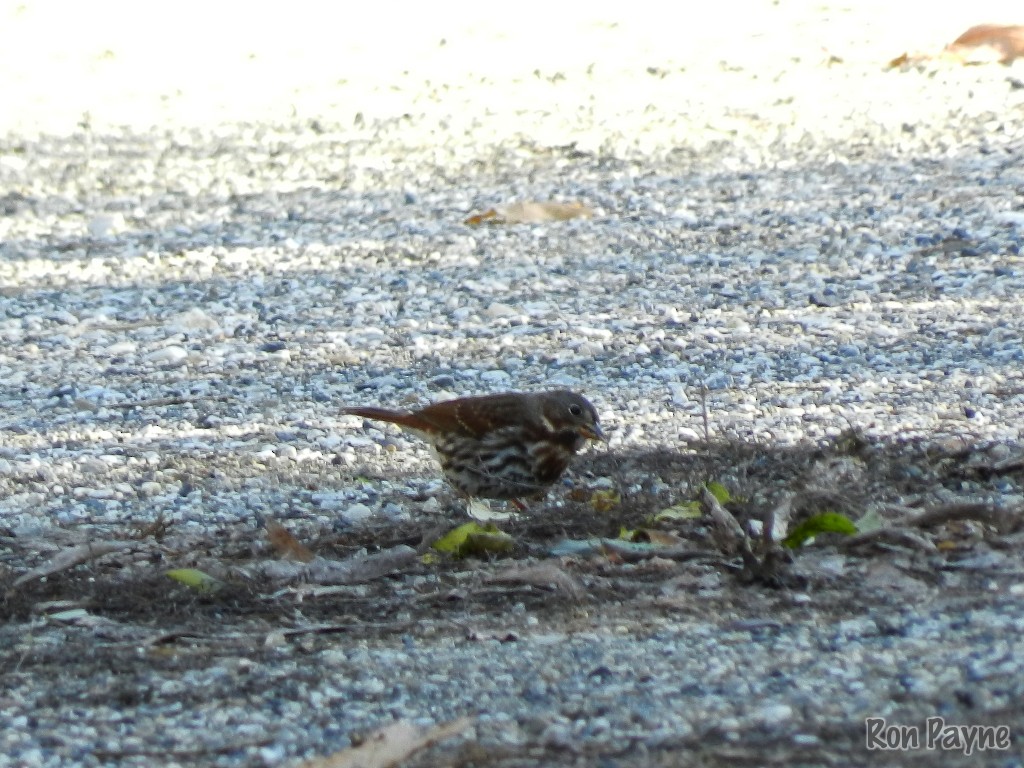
column 901, row 60
column 69, row 616
column 479, row 218
column 480, row 509
column 688, row 510
column 286, row 545
column 986, row 43
column 389, row 746
column 826, row 522
column 981, row 44
column 194, row 579
column 719, row 491
column 473, row 539
column 480, row 544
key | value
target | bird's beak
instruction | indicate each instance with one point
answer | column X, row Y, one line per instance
column 594, row 433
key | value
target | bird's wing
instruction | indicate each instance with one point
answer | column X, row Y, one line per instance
column 475, row 416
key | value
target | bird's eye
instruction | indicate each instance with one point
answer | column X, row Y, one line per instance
column 575, row 410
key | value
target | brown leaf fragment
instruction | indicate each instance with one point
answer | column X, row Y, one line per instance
column 981, row 44
column 986, row 43
column 389, row 746
column 900, row 61
column 479, row 218
column 157, row 529
column 286, row 545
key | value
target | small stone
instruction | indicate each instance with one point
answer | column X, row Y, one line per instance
column 171, row 356
column 443, row 381
column 106, row 225
column 356, row 513
column 121, row 348
column 496, row 377
column 90, row 465
column 379, row 382
column 194, row 319
column 497, row 309
column 774, row 714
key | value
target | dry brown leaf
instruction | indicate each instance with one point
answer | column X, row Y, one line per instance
column 156, row 529
column 286, row 545
column 532, row 212
column 986, row 43
column 900, row 61
column 981, row 44
column 389, row 746
column 479, row 218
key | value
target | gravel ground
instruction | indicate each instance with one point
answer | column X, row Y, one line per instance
column 202, row 259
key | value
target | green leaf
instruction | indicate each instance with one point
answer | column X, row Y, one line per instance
column 473, row 539
column 456, row 537
column 719, row 491
column 194, row 579
column 688, row 510
column 480, row 544
column 826, row 522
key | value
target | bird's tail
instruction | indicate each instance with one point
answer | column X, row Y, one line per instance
column 401, row 418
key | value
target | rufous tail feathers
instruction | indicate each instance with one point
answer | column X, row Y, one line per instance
column 401, row 418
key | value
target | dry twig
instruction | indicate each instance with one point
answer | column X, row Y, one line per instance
column 69, row 558
column 350, row 571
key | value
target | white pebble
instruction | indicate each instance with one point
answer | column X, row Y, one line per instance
column 172, row 355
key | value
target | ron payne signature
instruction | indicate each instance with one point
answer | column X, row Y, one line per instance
column 937, row 734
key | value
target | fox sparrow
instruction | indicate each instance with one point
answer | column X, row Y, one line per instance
column 506, row 446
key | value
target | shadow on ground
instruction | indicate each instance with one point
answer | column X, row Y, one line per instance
column 112, row 619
